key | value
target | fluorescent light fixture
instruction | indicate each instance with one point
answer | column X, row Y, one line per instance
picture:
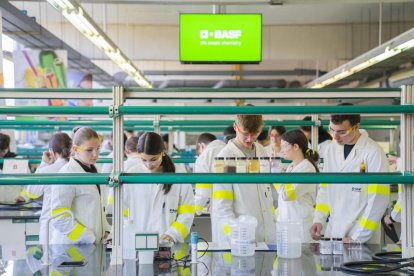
column 388, row 53
column 80, row 19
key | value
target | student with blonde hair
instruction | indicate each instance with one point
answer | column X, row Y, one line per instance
column 84, row 201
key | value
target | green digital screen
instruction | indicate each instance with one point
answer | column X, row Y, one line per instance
column 220, row 38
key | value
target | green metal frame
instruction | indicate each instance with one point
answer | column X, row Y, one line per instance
column 154, row 110
column 183, row 178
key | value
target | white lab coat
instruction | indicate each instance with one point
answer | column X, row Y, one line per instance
column 205, row 164
column 322, row 148
column 296, row 201
column 86, row 204
column 36, row 191
column 233, row 200
column 269, row 150
column 107, row 167
column 150, row 210
column 355, row 209
column 131, row 162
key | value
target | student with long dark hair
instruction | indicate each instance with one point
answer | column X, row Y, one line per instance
column 296, row 202
column 164, row 208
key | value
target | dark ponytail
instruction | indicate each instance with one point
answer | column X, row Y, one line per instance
column 151, row 143
column 297, row 137
column 61, row 144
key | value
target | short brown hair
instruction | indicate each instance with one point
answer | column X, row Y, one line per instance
column 250, row 123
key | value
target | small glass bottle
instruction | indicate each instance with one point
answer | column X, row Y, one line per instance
column 253, row 164
column 264, row 164
column 275, row 165
column 241, row 165
column 230, row 165
column 219, row 164
column 362, row 167
column 338, row 247
column 326, row 262
column 325, row 246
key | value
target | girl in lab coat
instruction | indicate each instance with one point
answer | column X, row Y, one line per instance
column 131, row 153
column 52, row 161
column 296, row 202
column 164, row 208
column 275, row 134
column 84, row 201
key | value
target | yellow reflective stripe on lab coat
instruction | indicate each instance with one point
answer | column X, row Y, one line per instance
column 399, row 188
column 182, row 252
column 379, row 189
column 185, row 209
column 110, row 199
column 183, row 271
column 29, row 195
column 290, row 191
column 322, row 207
column 199, row 207
column 74, row 254
column 227, row 257
column 76, row 232
column 323, row 185
column 126, row 212
column 273, row 210
column 222, row 194
column 204, row 186
column 397, row 207
column 277, row 186
column 180, row 228
column 226, row 229
column 57, row 273
column 60, row 210
column 368, row 224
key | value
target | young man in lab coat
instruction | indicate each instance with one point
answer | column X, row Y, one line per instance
column 232, row 200
column 207, row 148
column 355, row 209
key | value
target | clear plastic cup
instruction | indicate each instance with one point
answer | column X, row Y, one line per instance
column 243, row 236
column 288, row 239
column 243, row 266
column 242, row 248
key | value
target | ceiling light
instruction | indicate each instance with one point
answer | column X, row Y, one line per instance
column 80, row 19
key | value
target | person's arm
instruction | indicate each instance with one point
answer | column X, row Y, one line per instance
column 377, row 201
column 202, row 190
column 292, row 192
column 396, row 211
column 321, row 211
column 180, row 228
column 61, row 200
column 223, row 199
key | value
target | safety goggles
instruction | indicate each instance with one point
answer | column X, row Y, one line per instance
column 285, row 146
column 88, row 150
column 340, row 133
column 245, row 134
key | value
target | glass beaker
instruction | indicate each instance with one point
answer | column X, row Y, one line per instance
column 288, row 239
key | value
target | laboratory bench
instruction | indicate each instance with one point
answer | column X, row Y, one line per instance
column 27, row 260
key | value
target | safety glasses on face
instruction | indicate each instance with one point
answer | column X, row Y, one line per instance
column 340, row 133
column 285, row 146
column 152, row 161
column 246, row 134
column 88, row 150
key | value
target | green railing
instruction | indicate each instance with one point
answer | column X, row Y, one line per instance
column 182, row 178
column 200, row 110
column 190, row 110
column 186, row 160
